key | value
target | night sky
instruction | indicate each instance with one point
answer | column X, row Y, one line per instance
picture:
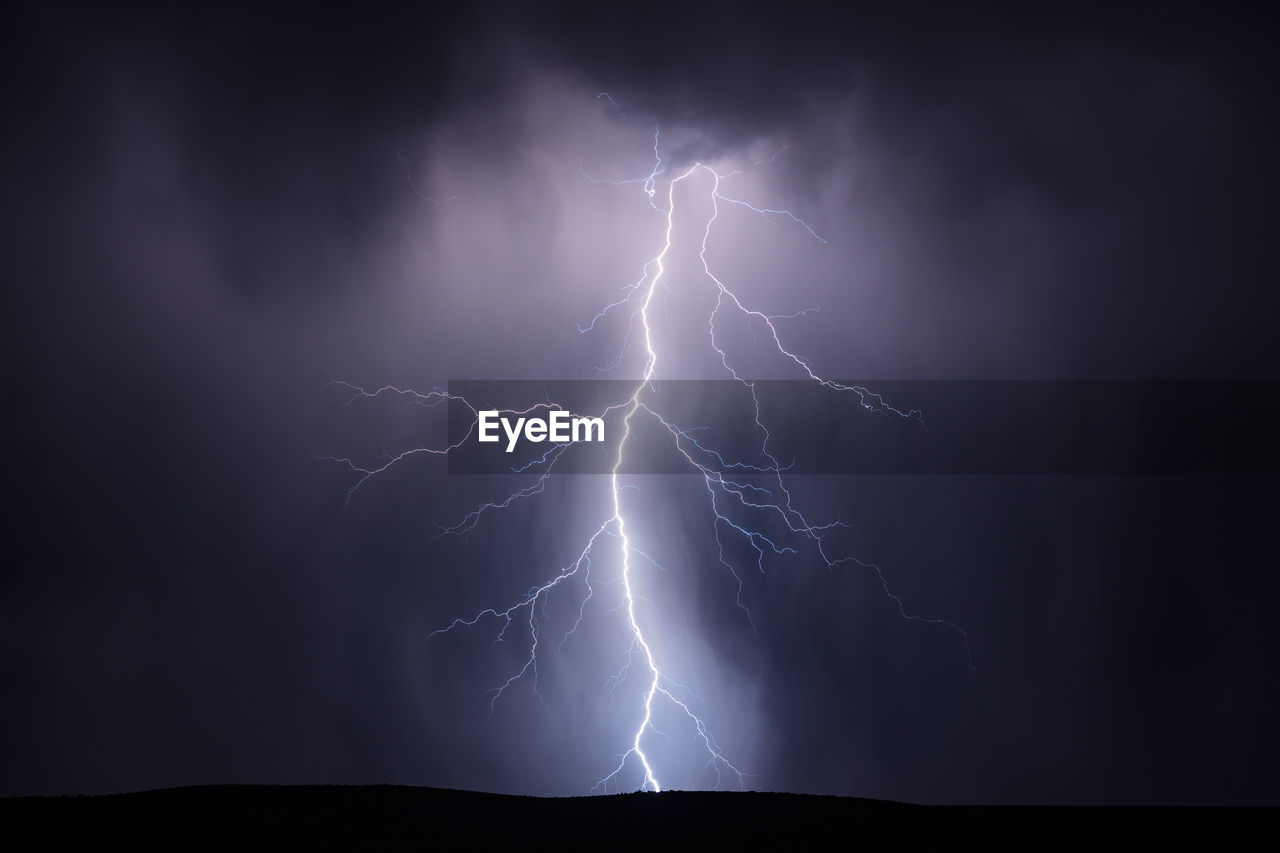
column 210, row 214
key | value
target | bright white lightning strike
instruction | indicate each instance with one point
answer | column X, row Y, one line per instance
column 725, row 495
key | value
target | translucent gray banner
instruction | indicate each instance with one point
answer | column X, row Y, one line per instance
column 864, row 427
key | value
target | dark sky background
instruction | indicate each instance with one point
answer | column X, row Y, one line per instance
column 208, row 214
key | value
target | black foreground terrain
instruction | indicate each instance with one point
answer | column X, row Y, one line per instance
column 406, row 818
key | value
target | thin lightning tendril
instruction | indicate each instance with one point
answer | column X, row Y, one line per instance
column 728, row 498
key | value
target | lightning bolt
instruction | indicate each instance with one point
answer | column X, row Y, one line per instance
column 729, row 496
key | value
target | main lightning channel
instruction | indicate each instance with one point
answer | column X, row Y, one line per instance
column 634, row 406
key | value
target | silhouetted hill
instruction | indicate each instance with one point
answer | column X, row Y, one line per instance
column 402, row 818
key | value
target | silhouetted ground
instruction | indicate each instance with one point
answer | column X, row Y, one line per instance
column 402, row 818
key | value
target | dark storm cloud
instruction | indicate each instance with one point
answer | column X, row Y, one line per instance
column 208, row 213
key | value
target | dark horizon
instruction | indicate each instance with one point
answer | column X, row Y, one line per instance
column 394, row 817
column 214, row 215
